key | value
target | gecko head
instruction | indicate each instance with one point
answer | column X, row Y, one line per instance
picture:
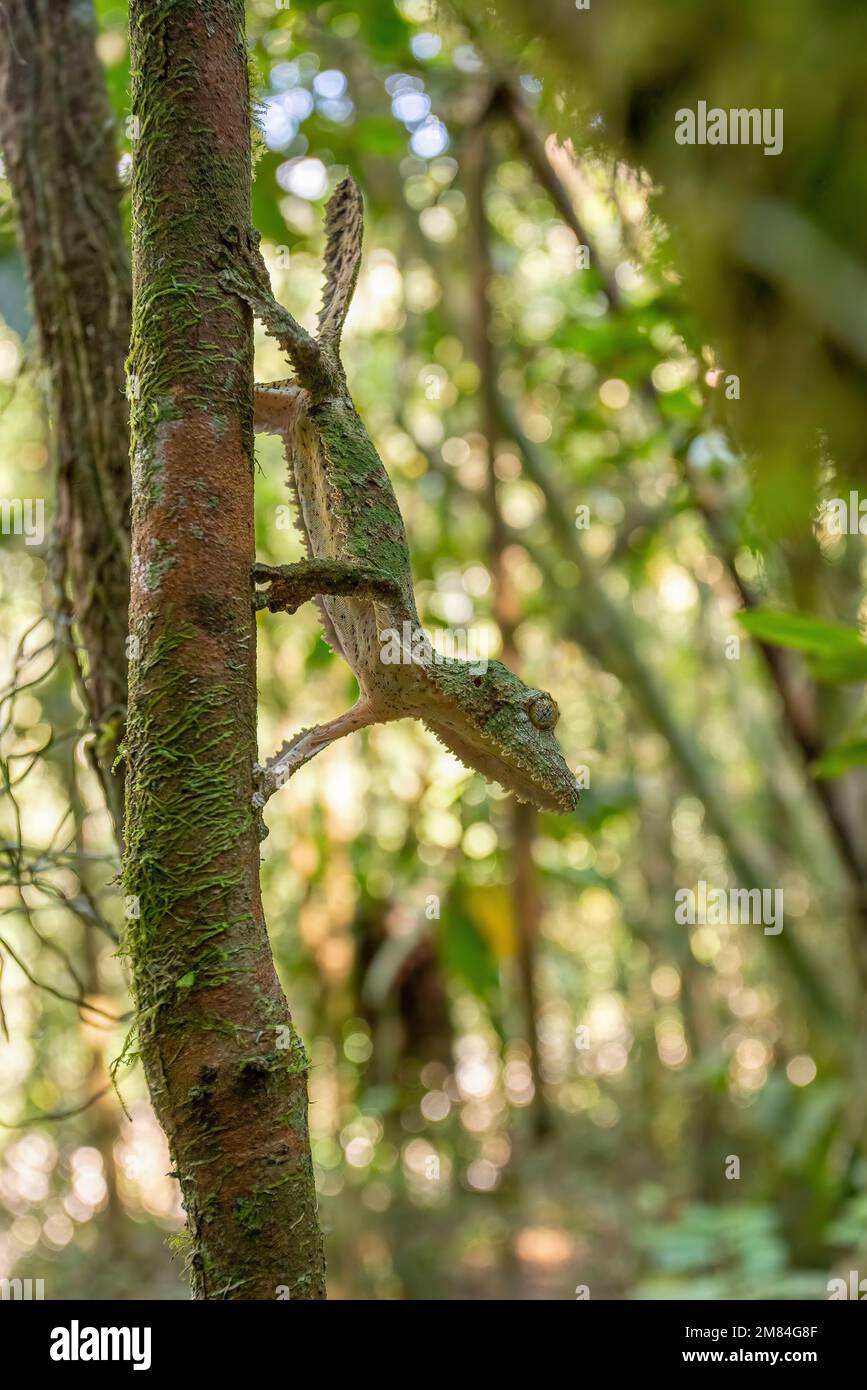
column 502, row 728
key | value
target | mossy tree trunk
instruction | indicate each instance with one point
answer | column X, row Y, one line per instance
column 57, row 136
column 226, row 1071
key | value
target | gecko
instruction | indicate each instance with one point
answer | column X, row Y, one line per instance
column 357, row 566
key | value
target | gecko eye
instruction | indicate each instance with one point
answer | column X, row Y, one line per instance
column 543, row 712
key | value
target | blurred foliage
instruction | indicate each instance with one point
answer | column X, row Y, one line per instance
column 835, row 654
column 772, row 247
column 642, row 510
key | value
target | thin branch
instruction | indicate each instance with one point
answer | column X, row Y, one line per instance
column 57, row 1114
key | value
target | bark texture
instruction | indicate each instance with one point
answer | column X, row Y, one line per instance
column 57, row 136
column 226, row 1071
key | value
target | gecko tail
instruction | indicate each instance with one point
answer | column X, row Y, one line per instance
column 344, row 224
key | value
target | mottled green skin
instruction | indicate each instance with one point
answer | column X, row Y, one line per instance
column 361, row 490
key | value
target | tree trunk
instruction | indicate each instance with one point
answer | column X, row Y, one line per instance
column 57, row 135
column 226, row 1071
column 526, row 897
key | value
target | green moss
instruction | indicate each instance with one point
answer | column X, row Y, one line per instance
column 175, row 353
column 256, row 1209
column 292, row 1061
column 183, row 815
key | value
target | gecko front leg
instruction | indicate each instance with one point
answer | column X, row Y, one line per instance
column 245, row 274
column 291, row 585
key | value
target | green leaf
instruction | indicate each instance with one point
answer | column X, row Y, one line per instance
column 798, row 630
column 835, row 654
column 841, row 758
column 187, row 980
column 466, row 953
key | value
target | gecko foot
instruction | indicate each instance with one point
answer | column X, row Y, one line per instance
column 242, row 268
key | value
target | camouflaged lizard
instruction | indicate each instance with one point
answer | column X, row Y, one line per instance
column 357, row 566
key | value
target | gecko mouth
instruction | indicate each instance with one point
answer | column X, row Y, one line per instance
column 555, row 790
